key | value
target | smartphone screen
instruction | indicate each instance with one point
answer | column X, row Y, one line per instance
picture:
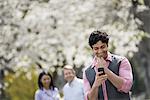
column 101, row 70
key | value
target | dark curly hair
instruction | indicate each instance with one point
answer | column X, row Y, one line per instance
column 51, row 86
column 96, row 36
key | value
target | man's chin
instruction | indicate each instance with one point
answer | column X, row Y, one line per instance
column 99, row 56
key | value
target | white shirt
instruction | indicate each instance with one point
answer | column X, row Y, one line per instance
column 74, row 90
column 47, row 94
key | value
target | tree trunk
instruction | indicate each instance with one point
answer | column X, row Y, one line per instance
column 142, row 59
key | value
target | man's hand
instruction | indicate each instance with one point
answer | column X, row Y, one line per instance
column 99, row 79
column 100, row 62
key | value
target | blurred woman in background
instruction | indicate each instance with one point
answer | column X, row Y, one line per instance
column 47, row 90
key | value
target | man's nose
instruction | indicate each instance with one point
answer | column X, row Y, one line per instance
column 98, row 51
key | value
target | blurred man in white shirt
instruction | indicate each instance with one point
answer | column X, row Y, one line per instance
column 73, row 89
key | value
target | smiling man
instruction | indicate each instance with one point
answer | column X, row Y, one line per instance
column 73, row 89
column 116, row 80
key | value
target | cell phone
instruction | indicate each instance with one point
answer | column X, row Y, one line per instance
column 101, row 70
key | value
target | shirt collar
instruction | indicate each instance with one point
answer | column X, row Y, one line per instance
column 109, row 58
column 46, row 90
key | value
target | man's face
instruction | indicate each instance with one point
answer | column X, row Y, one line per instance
column 68, row 75
column 100, row 49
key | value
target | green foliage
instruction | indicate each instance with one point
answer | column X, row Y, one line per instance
column 141, row 2
column 22, row 86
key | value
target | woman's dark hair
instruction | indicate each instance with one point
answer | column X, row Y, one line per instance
column 51, row 86
column 96, row 36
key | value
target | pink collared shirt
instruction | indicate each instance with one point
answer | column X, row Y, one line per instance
column 125, row 71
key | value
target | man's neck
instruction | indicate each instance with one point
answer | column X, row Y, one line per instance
column 71, row 80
